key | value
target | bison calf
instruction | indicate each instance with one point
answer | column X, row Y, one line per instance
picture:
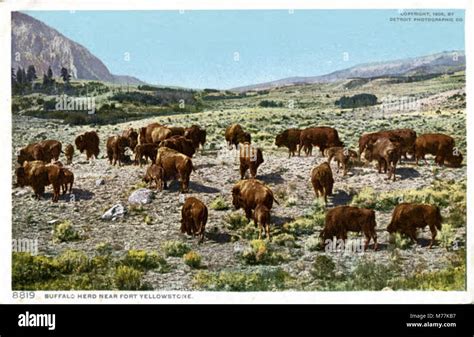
column 250, row 158
column 147, row 151
column 155, row 173
column 69, row 153
column 261, row 217
column 406, row 218
column 67, row 180
column 322, row 180
column 343, row 219
column 194, row 218
column 342, row 157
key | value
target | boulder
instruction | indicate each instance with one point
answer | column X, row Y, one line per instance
column 141, row 196
column 116, row 211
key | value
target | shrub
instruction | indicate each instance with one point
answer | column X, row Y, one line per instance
column 104, row 248
column 27, row 269
column 258, row 252
column 219, row 204
column 299, row 226
column 236, row 221
column 323, row 268
column 142, row 260
column 240, row 281
column 175, row 248
column 192, row 259
column 284, row 239
column 447, row 236
column 72, row 261
column 400, row 241
column 313, row 244
column 369, row 275
column 127, row 278
column 64, row 232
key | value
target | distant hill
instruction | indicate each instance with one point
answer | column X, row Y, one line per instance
column 424, row 65
column 35, row 43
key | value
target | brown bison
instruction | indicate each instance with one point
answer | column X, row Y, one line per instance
column 262, row 218
column 45, row 150
column 406, row 138
column 248, row 194
column 176, row 131
column 235, row 134
column 69, row 153
column 145, row 133
column 250, row 158
column 67, row 180
column 176, row 166
column 116, row 149
column 386, row 153
column 322, row 137
column 196, row 135
column 342, row 156
column 439, row 145
column 289, row 138
column 38, row 175
column 194, row 218
column 406, row 218
column 180, row 144
column 155, row 173
column 160, row 133
column 322, row 180
column 132, row 138
column 343, row 219
column 147, row 151
column 89, row 142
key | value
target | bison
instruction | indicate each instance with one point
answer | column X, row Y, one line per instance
column 342, row 219
column 322, row 180
column 180, row 144
column 406, row 138
column 116, row 149
column 441, row 146
column 160, row 133
column 289, row 138
column 407, row 217
column 38, row 175
column 89, row 142
column 342, row 156
column 322, row 137
column 45, row 150
column 176, row 131
column 250, row 158
column 154, row 173
column 194, row 218
column 145, row 133
column 132, row 138
column 235, row 134
column 69, row 153
column 147, row 150
column 176, row 166
column 196, row 135
column 248, row 194
column 67, row 180
column 386, row 153
column 261, row 218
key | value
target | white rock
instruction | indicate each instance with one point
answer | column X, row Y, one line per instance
column 99, row 182
column 141, row 196
column 115, row 212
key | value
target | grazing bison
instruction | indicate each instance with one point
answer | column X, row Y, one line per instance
column 439, row 145
column 145, row 133
column 194, row 218
column 342, row 156
column 89, row 142
column 248, row 194
column 132, row 138
column 406, row 218
column 289, row 138
column 343, row 219
column 176, row 166
column 250, row 158
column 322, row 180
column 154, row 173
column 180, row 144
column 196, row 135
column 69, row 153
column 38, row 175
column 261, row 218
column 235, row 134
column 67, row 180
column 322, row 137
column 116, row 149
column 406, row 138
column 160, row 133
column 386, row 153
column 45, row 150
column 147, row 150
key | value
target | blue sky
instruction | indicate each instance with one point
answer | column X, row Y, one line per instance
column 225, row 49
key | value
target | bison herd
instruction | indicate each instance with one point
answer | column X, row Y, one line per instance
column 170, row 150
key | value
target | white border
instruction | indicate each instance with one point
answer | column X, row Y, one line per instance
column 382, row 297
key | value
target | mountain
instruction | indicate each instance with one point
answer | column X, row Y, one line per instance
column 34, row 43
column 424, row 65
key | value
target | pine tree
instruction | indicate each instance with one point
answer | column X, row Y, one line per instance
column 31, row 74
column 65, row 75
